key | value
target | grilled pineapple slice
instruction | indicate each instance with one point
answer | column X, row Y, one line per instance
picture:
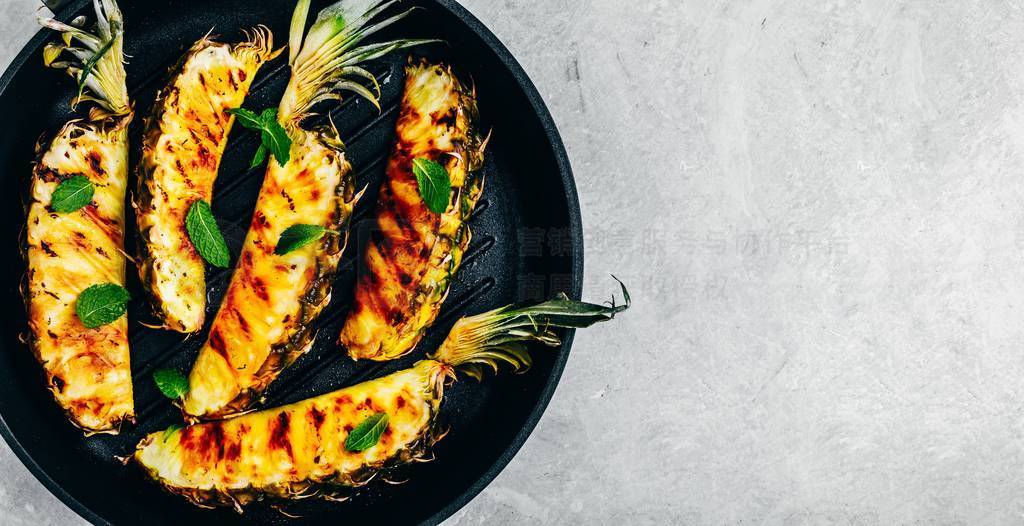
column 302, row 450
column 286, row 452
column 184, row 141
column 263, row 325
column 87, row 369
column 413, row 252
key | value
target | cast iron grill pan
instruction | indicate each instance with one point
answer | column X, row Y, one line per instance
column 529, row 190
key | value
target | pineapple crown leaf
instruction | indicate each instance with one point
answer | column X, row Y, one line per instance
column 326, row 59
column 97, row 61
column 500, row 336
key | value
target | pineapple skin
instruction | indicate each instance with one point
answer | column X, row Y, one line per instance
column 183, row 142
column 263, row 324
column 413, row 253
column 298, row 450
column 87, row 370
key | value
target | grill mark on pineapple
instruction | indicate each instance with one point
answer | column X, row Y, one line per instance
column 401, row 254
column 213, row 440
column 201, row 442
column 233, row 449
column 279, row 433
column 205, row 159
column 259, row 220
column 80, row 243
column 208, row 132
column 47, row 174
column 46, row 248
column 317, row 417
column 244, row 325
column 415, row 223
column 447, row 120
column 260, row 288
column 85, row 405
column 217, row 344
column 291, row 202
column 341, row 402
column 233, row 445
column 110, row 227
column 96, row 163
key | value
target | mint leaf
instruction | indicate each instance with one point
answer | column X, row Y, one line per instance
column 435, row 184
column 205, row 235
column 171, row 383
column 277, row 141
column 99, row 305
column 298, row 236
column 261, row 155
column 368, row 433
column 269, row 115
column 273, row 137
column 247, row 118
column 72, row 194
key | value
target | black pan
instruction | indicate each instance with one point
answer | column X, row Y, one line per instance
column 527, row 245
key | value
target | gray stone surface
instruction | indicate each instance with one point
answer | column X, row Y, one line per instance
column 818, row 205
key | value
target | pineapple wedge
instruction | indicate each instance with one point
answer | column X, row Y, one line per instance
column 287, row 452
column 263, row 322
column 413, row 252
column 263, row 325
column 184, row 141
column 87, row 369
column 304, row 449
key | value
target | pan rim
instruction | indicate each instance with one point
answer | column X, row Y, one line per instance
column 554, row 140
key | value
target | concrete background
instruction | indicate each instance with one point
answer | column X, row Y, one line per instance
column 819, row 207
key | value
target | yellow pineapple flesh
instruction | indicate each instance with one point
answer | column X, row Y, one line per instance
column 184, row 141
